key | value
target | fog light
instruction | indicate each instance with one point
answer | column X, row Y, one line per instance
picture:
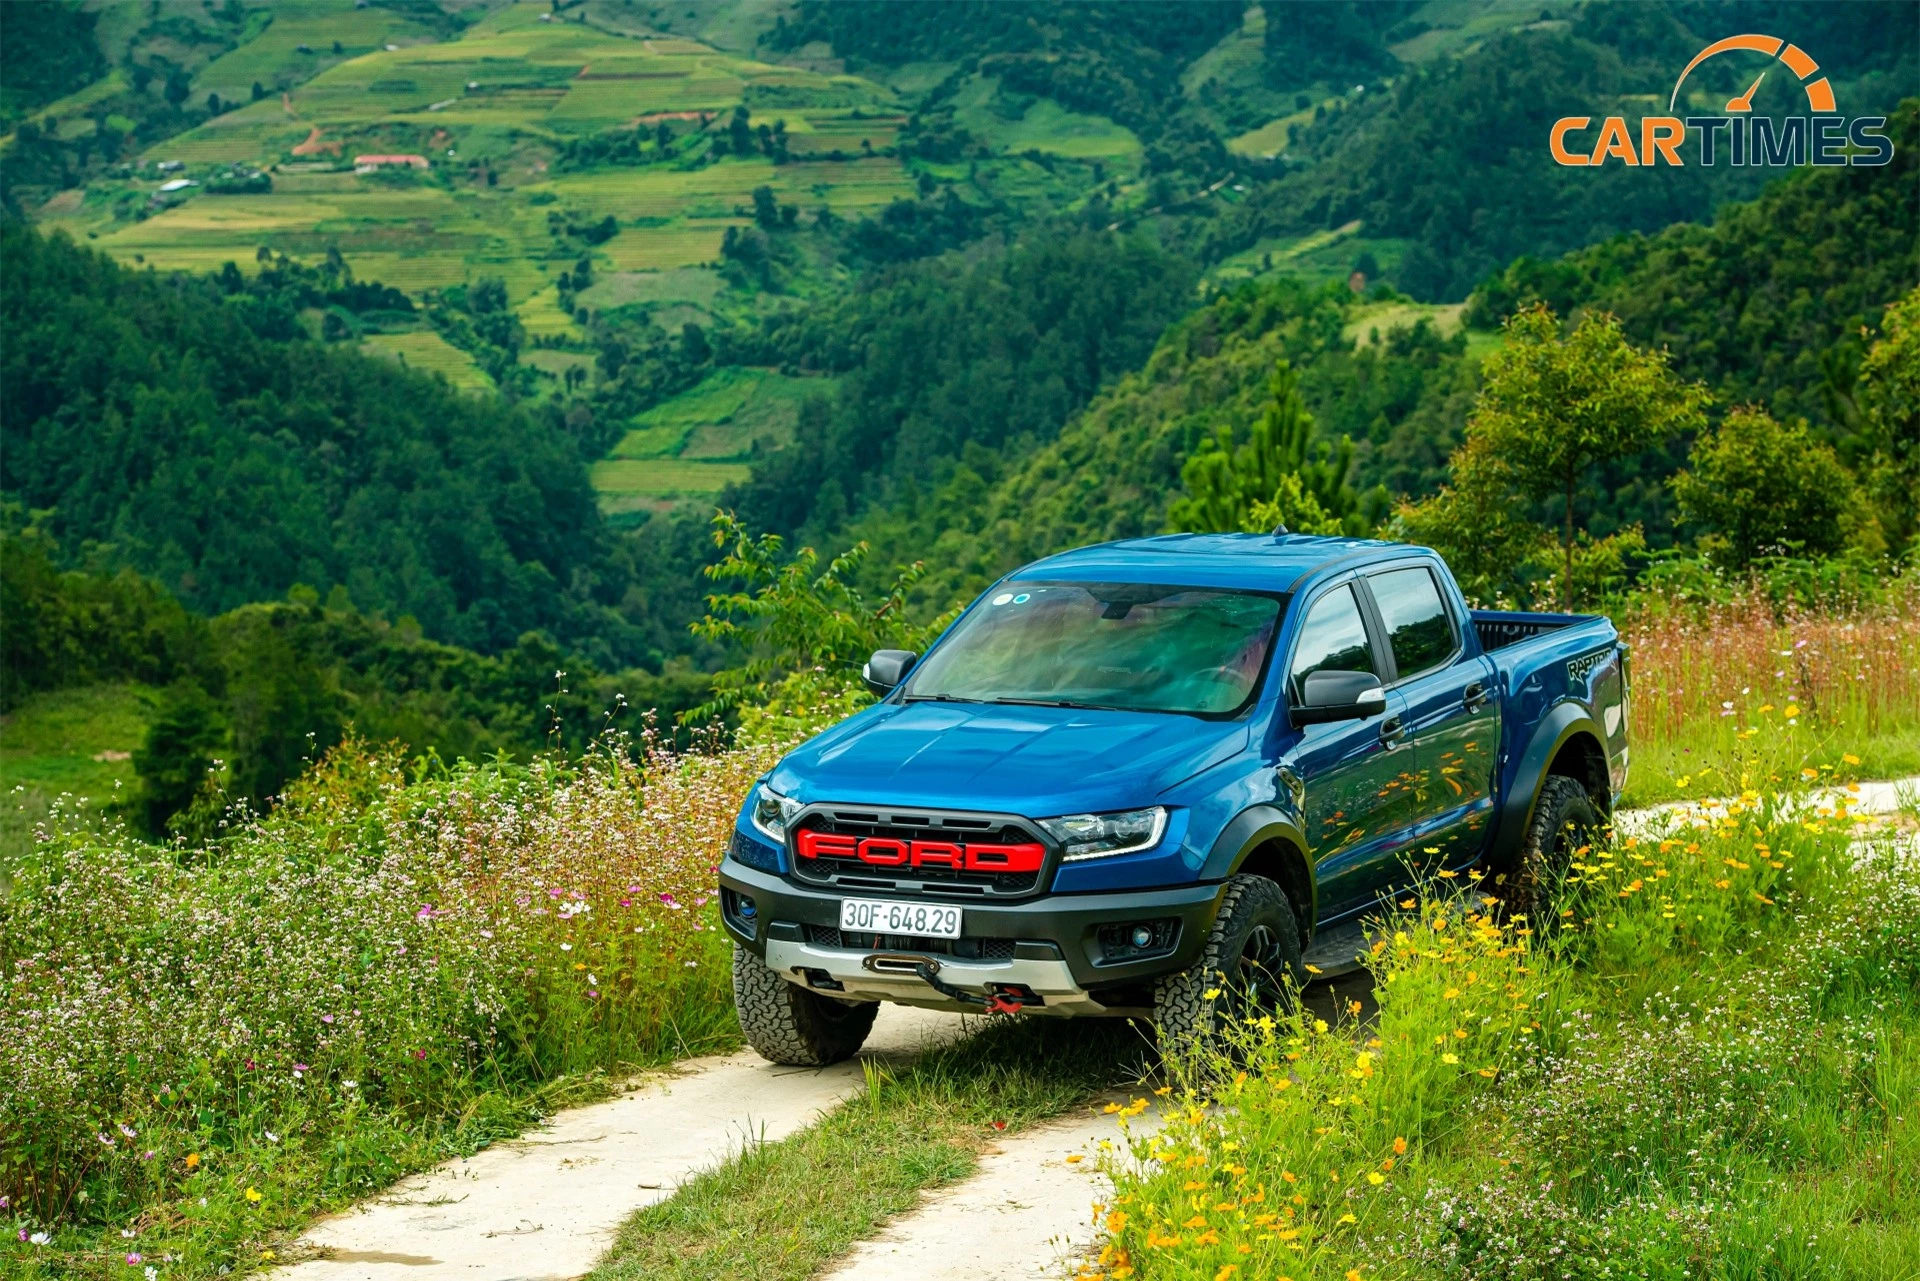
column 747, row 909
column 1142, row 936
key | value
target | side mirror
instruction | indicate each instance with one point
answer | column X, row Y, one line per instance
column 1339, row 696
column 888, row 667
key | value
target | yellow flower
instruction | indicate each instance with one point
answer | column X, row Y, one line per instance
column 1348, row 1218
column 1314, row 969
column 1074, row 1158
column 1376, row 1179
column 253, row 1194
column 1449, row 1058
column 193, row 1160
column 1850, row 758
column 1793, row 709
column 1399, row 1147
column 1226, row 1270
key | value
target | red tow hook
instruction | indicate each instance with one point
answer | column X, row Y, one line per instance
column 997, row 1004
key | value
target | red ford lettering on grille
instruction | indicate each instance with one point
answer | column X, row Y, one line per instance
column 889, row 851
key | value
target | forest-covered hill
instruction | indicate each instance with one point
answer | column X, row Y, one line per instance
column 970, row 281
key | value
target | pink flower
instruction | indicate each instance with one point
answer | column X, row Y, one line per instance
column 626, row 902
column 326, row 1018
column 298, row 1068
column 420, row 1054
column 133, row 1258
column 594, row 992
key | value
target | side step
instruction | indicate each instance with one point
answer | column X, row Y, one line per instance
column 1338, row 951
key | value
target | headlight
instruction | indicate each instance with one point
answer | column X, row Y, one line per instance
column 1098, row 835
column 772, row 811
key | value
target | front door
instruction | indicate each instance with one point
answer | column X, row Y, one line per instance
column 1359, row 773
column 1452, row 719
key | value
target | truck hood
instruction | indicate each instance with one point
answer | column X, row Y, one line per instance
column 1034, row 761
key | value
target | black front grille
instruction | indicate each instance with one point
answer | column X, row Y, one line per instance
column 959, row 949
column 925, row 825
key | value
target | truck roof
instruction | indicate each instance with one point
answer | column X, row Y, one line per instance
column 1270, row 562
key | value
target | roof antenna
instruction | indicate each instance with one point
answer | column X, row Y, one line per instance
column 1280, row 531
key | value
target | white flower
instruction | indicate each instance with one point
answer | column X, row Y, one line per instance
column 41, row 1238
column 566, row 947
column 349, row 1085
column 272, row 1137
column 592, row 981
column 152, row 1272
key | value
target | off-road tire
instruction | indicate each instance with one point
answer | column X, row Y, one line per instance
column 1564, row 819
column 1251, row 960
column 788, row 1024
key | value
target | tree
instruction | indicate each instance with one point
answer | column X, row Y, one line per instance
column 1276, row 477
column 173, row 761
column 1758, row 488
column 1889, row 398
column 1555, row 405
column 765, row 211
column 798, row 636
column 179, row 86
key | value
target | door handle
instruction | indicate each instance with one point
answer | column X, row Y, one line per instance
column 1476, row 696
column 1392, row 730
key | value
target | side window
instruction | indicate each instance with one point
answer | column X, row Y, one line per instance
column 1334, row 639
column 1419, row 628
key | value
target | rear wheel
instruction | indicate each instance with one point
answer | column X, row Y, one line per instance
column 1251, row 964
column 788, row 1024
column 1564, row 820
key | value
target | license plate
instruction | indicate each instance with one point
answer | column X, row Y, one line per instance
column 926, row 920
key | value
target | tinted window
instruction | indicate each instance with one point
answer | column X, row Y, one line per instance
column 1418, row 626
column 1129, row 646
column 1333, row 639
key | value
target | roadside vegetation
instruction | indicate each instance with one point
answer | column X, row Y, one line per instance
column 1707, row 1066
column 210, row 1043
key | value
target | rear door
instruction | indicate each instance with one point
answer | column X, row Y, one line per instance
column 1357, row 774
column 1452, row 715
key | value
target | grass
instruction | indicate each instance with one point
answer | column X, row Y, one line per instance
column 65, row 757
column 208, row 1046
column 1709, row 1070
column 429, row 352
column 783, row 1211
column 1731, row 693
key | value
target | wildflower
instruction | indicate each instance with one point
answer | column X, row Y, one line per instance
column 1074, row 1158
column 253, row 1194
column 134, row 1258
column 271, row 1136
column 1376, row 1178
column 349, row 1085
column 326, row 1018
column 420, row 1055
column 128, row 1130
column 1449, row 1058
column 1348, row 1218
column 566, row 947
column 1400, row 1147
column 152, row 1272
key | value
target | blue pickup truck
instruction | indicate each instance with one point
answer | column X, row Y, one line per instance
column 1135, row 772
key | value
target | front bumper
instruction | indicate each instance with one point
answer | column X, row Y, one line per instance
column 1056, row 951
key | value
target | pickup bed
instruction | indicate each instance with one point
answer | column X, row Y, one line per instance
column 1134, row 773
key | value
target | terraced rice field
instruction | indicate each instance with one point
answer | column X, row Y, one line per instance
column 502, row 99
column 428, row 351
column 697, row 443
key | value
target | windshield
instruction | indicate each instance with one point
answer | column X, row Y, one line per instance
column 1128, row 646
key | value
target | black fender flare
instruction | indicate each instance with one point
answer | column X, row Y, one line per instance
column 1253, row 827
column 1564, row 720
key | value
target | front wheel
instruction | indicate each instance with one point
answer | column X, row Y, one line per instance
column 788, row 1024
column 1250, row 965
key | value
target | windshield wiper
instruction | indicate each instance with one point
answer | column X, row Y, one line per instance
column 939, row 698
column 1056, row 702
